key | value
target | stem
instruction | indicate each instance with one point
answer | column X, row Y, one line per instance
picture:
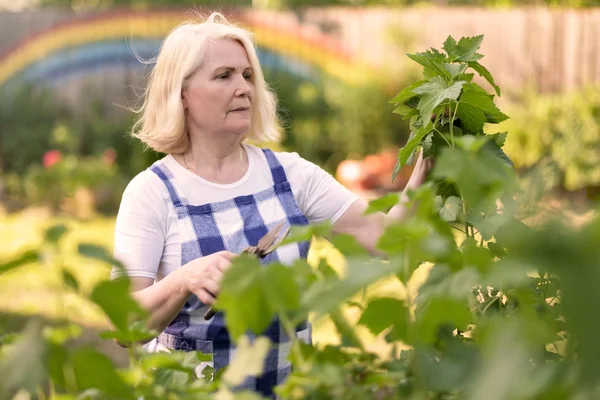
column 464, row 207
column 452, row 121
column 547, row 283
column 488, row 305
column 344, row 328
column 458, row 229
column 291, row 332
column 443, row 137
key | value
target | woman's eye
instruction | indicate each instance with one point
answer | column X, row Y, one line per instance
column 248, row 77
column 223, row 76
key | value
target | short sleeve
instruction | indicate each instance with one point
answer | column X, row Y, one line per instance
column 140, row 228
column 319, row 195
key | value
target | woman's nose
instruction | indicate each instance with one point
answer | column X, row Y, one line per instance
column 244, row 88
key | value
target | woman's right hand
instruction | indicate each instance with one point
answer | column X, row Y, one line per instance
column 202, row 276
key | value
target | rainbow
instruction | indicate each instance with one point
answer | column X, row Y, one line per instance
column 94, row 42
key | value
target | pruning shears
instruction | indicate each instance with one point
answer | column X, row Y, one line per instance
column 265, row 246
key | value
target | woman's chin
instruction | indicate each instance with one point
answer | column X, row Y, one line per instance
column 240, row 129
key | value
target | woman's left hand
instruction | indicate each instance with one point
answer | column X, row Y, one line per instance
column 420, row 171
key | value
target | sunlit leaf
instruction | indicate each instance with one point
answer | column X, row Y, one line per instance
column 433, row 93
column 348, row 245
column 55, row 233
column 466, row 49
column 438, row 311
column 22, row 363
column 25, row 258
column 382, row 313
column 407, row 93
column 114, row 299
column 451, row 209
column 382, row 204
column 483, row 72
column 70, row 280
column 94, row 370
column 248, row 360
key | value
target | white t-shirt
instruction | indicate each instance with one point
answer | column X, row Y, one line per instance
column 146, row 232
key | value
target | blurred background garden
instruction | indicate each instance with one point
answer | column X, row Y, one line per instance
column 71, row 71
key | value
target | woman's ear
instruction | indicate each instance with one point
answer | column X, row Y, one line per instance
column 184, row 100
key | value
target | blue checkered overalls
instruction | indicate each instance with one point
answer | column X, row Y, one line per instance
column 233, row 225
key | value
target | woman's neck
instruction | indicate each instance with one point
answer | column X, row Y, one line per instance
column 218, row 161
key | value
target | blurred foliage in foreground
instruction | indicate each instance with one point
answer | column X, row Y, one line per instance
column 505, row 313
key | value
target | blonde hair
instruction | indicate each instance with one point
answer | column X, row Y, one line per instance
column 161, row 125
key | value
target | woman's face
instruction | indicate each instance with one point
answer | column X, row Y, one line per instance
column 218, row 97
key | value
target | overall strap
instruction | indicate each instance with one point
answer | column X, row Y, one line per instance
column 165, row 175
column 275, row 166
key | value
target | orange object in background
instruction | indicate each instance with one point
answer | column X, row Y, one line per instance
column 373, row 173
column 350, row 174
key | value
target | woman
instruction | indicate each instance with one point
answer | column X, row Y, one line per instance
column 182, row 221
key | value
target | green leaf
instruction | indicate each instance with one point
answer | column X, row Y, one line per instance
column 94, row 370
column 54, row 233
column 496, row 249
column 382, row 313
column 60, row 334
column 467, row 48
column 451, row 209
column 382, row 204
column 438, row 203
column 348, row 245
column 70, row 280
column 251, row 294
column 101, row 254
column 466, row 77
column 175, row 360
column 405, row 110
column 427, row 144
column 135, row 333
column 487, row 226
column 304, row 233
column 476, row 107
column 483, row 72
column 448, row 370
column 280, row 287
column 455, row 69
column 498, row 138
column 57, row 361
column 248, row 360
column 22, row 364
column 495, row 149
column 438, row 311
column 451, row 48
column 432, row 61
column 114, row 299
column 410, row 147
column 24, row 259
column 396, row 236
column 241, row 298
column 433, row 93
column 328, row 295
column 407, row 93
column 475, row 256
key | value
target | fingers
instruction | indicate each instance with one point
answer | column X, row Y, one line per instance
column 212, row 287
column 205, row 297
column 227, row 254
column 223, row 263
